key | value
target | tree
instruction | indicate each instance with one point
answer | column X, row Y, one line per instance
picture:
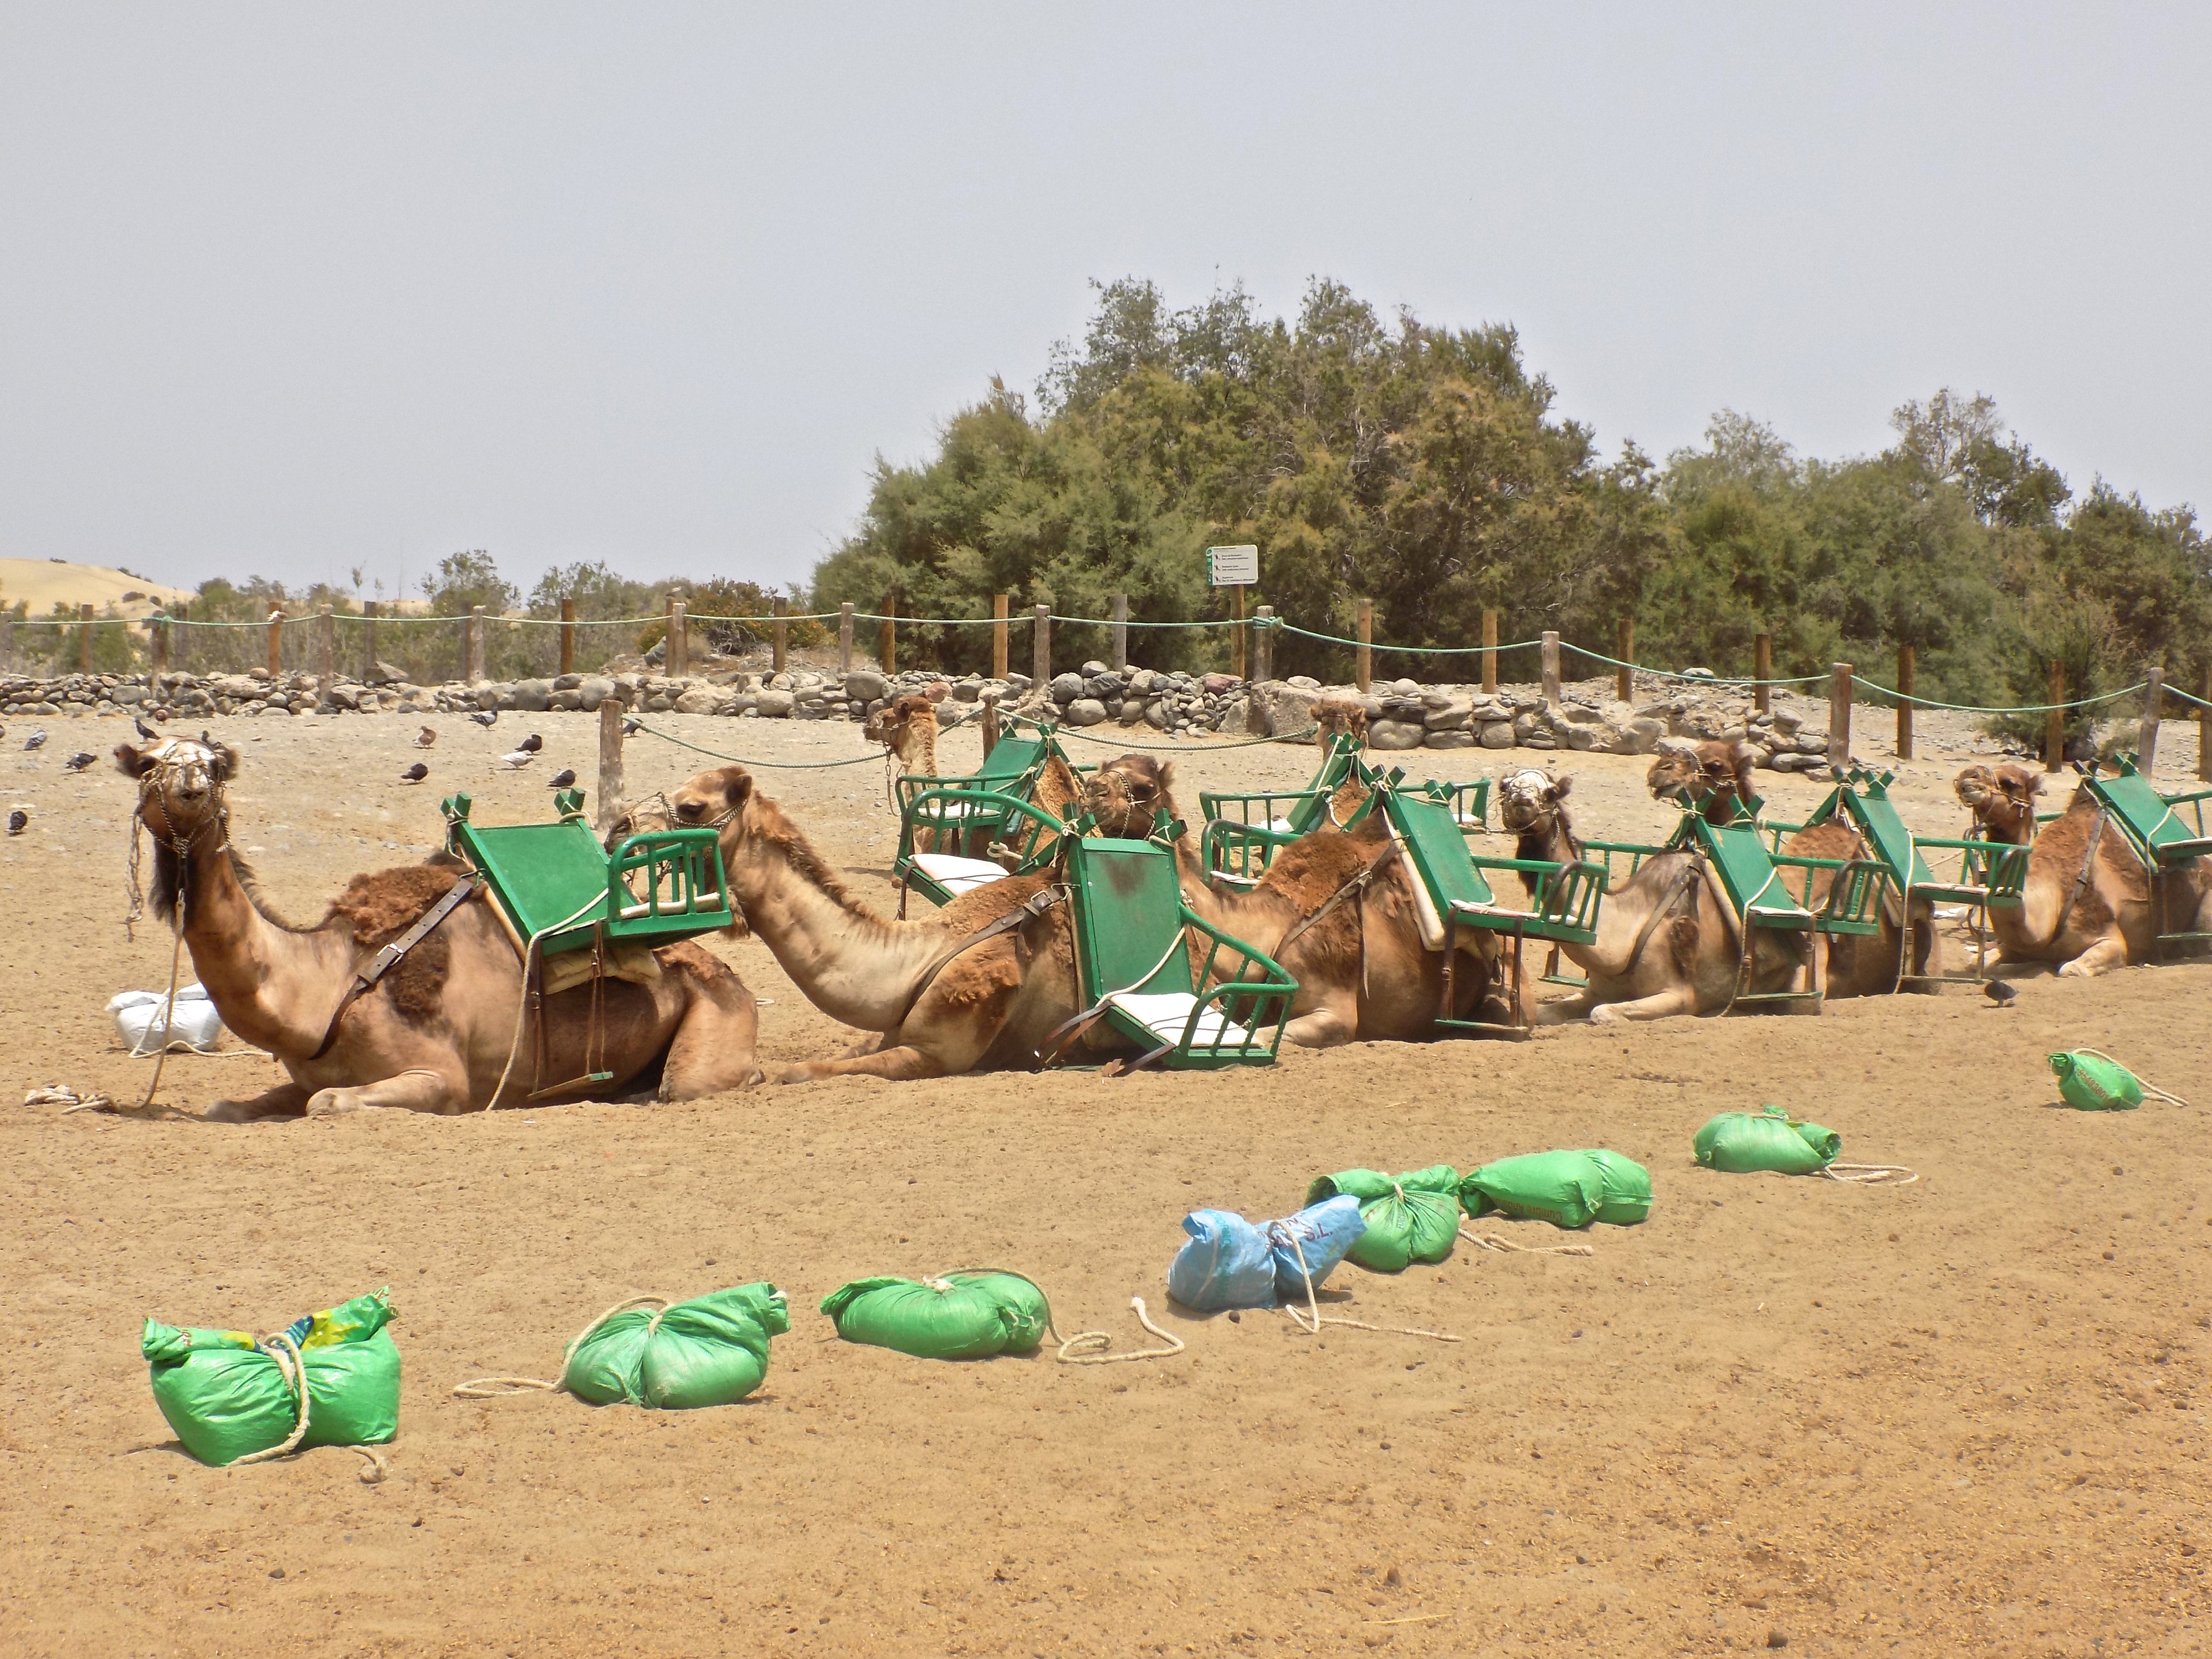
column 464, row 581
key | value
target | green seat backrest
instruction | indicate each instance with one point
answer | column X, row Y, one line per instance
column 1432, row 834
column 543, row 873
column 1011, row 759
column 1335, row 768
column 1746, row 871
column 1875, row 814
column 1128, row 917
column 2148, row 819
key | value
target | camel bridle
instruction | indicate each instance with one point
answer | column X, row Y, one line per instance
column 177, row 762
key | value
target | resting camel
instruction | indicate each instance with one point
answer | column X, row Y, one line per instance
column 907, row 728
column 436, row 1032
column 1713, row 778
column 1667, row 941
column 1863, row 964
column 1336, row 908
column 2086, row 904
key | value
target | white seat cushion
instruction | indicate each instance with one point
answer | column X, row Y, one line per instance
column 957, row 875
column 1278, row 826
column 1164, row 1013
column 940, row 809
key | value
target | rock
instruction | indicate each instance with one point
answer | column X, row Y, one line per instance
column 1133, row 711
column 1018, row 682
column 1577, row 714
column 1236, row 718
column 1448, row 739
column 776, row 704
column 1496, row 734
column 1156, row 714
column 1093, row 669
column 567, row 682
column 385, row 674
column 702, row 700
column 1787, row 723
column 1279, row 709
column 593, row 691
column 485, row 695
column 865, row 685
column 532, row 696
column 1389, row 736
column 1067, row 688
column 564, row 701
column 1524, row 726
column 1218, row 684
column 345, row 696
column 1812, row 743
column 1451, row 717
column 1641, row 736
column 1586, row 738
column 1404, row 688
column 1086, row 711
column 967, row 691
column 1304, row 682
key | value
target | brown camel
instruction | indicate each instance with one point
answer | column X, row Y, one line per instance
column 2086, row 904
column 907, row 728
column 1333, row 716
column 1668, row 942
column 1714, row 779
column 436, row 1032
column 1861, row 964
column 1336, row 908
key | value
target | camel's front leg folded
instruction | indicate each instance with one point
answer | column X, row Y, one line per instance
column 412, row 1090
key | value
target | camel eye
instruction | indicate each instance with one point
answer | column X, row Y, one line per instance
column 691, row 810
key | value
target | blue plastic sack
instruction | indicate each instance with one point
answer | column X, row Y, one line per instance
column 1325, row 1232
column 1226, row 1264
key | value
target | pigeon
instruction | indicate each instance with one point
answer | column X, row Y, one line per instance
column 18, row 821
column 425, row 738
column 1999, row 991
column 486, row 717
column 630, row 728
column 562, row 779
column 36, row 739
column 79, row 761
column 518, row 760
column 415, row 774
column 530, row 745
column 146, row 731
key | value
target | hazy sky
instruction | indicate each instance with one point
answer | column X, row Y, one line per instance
column 290, row 290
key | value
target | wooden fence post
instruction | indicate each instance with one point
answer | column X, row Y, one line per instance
column 177, row 647
column 326, row 654
column 2054, row 726
column 887, row 636
column 370, row 610
column 159, row 628
column 276, row 643
column 1904, row 703
column 1041, row 649
column 1839, row 713
column 781, row 638
column 1237, row 640
column 1363, row 661
column 1490, row 651
column 1121, row 632
column 1263, row 643
column 1762, row 670
column 845, row 638
column 678, row 662
column 84, row 639
column 610, row 762
column 479, row 655
column 1551, row 669
column 2147, row 736
column 1624, row 677
column 568, row 636
column 999, row 603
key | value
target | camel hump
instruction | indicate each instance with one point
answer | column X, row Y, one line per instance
column 380, row 905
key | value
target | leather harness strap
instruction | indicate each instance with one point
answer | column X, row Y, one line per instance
column 2081, row 881
column 1037, row 904
column 393, row 954
column 1686, row 877
column 1357, row 885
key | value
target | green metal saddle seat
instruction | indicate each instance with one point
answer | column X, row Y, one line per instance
column 2153, row 826
column 1133, row 938
column 554, row 884
column 947, row 825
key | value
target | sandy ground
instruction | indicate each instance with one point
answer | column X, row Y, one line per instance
column 1964, row 1415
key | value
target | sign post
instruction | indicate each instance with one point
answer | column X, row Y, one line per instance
column 1237, row 568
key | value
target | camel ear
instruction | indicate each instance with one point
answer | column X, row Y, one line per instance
column 1167, row 773
column 2034, row 784
column 223, row 762
column 132, row 760
column 1560, row 786
column 736, row 785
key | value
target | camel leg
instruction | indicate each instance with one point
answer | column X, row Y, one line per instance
column 416, row 1090
column 1333, row 1025
column 2106, row 954
column 713, row 1050
column 1676, row 999
column 902, row 1064
column 285, row 1100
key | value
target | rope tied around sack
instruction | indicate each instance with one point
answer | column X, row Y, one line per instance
column 2149, row 1089
column 294, row 1371
column 501, row 1388
column 1312, row 1309
column 1085, row 1348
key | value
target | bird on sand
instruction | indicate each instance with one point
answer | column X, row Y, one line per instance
column 1999, row 991
column 516, row 761
column 146, row 731
column 79, row 761
column 425, row 738
column 630, row 728
column 486, row 717
column 18, row 821
column 36, row 739
column 532, row 744
column 562, row 779
column 415, row 774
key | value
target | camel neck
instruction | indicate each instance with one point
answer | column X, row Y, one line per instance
column 265, row 980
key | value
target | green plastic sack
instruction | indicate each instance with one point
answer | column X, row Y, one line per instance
column 1410, row 1217
column 1568, row 1189
column 1744, row 1143
column 969, row 1315
column 711, row 1351
column 226, row 1396
column 2094, row 1084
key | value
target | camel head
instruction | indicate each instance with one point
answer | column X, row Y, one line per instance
column 1129, row 796
column 1714, row 779
column 1335, row 715
column 2002, row 798
column 1529, row 802
column 898, row 725
column 179, row 783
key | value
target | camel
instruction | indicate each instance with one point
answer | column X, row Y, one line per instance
column 1714, row 778
column 436, row 1031
column 2086, row 904
column 1336, row 908
column 1668, row 942
column 907, row 728
column 1863, row 964
column 1334, row 716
